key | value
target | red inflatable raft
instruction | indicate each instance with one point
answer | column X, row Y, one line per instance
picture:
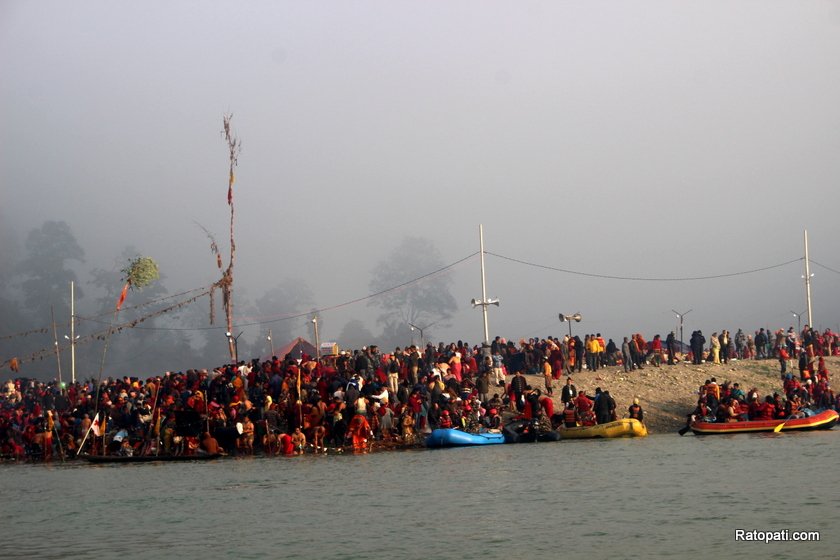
column 824, row 420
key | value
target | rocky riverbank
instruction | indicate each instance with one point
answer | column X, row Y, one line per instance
column 668, row 393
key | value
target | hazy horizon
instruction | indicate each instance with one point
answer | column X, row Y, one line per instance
column 642, row 139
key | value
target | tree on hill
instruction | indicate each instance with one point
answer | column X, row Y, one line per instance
column 423, row 302
column 46, row 277
column 355, row 335
column 274, row 309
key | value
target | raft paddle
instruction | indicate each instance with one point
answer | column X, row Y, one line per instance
column 682, row 431
column 778, row 428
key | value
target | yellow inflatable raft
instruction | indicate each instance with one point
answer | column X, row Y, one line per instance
column 626, row 427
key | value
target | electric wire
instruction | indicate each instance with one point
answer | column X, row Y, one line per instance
column 324, row 309
column 643, row 278
column 825, row 267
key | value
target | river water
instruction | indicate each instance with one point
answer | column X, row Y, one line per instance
column 663, row 496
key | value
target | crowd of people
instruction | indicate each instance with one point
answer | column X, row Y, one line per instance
column 764, row 344
column 360, row 398
column 728, row 402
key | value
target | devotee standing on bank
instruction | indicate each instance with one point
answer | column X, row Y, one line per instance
column 671, row 347
column 626, row 356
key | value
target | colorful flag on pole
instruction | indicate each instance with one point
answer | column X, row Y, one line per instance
column 122, row 296
column 96, row 427
column 230, row 187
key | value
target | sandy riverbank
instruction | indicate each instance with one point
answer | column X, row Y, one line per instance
column 668, row 393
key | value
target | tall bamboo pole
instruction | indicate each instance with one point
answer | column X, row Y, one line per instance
column 55, row 342
column 227, row 278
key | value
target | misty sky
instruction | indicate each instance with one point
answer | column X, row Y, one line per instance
column 638, row 139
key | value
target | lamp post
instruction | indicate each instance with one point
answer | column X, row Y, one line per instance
column 681, row 316
column 807, row 277
column 484, row 301
column 72, row 339
column 569, row 318
column 235, row 340
column 413, row 328
column 798, row 321
column 72, row 336
column 270, row 343
column 421, row 329
column 55, row 341
column 317, row 339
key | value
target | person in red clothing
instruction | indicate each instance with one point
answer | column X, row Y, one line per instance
column 471, row 366
column 286, row 445
column 656, row 348
column 584, row 404
column 765, row 410
column 455, row 366
column 359, row 430
column 791, row 385
column 822, row 371
column 570, row 418
column 198, row 403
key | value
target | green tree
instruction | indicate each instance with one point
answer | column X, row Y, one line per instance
column 13, row 319
column 45, row 272
column 291, row 296
column 354, row 335
column 425, row 301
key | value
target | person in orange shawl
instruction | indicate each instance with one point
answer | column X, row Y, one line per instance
column 359, row 430
column 572, row 354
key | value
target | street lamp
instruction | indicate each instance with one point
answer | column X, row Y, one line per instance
column 270, row 343
column 72, row 340
column 569, row 318
column 681, row 316
column 484, row 301
column 235, row 340
column 421, row 329
column 807, row 277
column 317, row 340
column 798, row 321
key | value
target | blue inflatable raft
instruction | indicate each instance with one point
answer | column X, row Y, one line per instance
column 449, row 437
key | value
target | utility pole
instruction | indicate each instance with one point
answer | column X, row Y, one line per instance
column 55, row 342
column 808, row 283
column 317, row 339
column 484, row 302
column 484, row 282
column 72, row 333
column 681, row 316
column 421, row 329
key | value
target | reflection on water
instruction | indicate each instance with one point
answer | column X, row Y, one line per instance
column 661, row 496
